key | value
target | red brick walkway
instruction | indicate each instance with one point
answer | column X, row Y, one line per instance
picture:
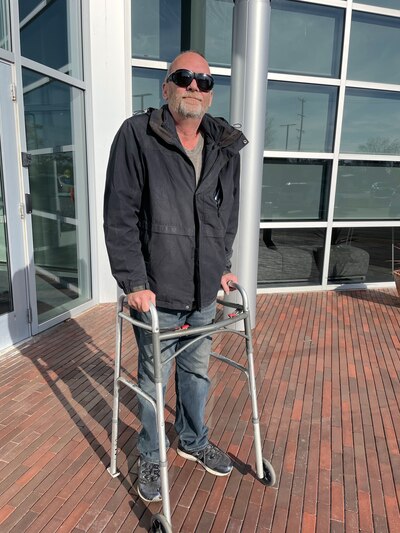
column 328, row 368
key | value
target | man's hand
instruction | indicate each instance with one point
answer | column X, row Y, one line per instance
column 226, row 278
column 140, row 300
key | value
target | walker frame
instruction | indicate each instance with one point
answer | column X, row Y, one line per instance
column 161, row 522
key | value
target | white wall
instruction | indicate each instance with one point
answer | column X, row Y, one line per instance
column 108, row 75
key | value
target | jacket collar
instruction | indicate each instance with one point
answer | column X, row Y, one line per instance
column 216, row 130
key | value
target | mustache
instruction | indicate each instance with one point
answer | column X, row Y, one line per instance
column 192, row 95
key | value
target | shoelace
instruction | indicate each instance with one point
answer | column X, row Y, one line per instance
column 150, row 471
column 211, row 452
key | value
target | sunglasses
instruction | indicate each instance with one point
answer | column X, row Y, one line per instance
column 183, row 78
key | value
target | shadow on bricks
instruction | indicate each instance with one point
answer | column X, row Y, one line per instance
column 80, row 374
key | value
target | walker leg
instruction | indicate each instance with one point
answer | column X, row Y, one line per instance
column 112, row 469
column 163, row 453
column 160, row 419
column 264, row 469
column 115, row 417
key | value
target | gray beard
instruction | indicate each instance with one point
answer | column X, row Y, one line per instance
column 189, row 113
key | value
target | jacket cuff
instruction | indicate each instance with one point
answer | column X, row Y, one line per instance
column 139, row 288
column 129, row 286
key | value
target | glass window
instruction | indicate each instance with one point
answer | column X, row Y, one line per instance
column 363, row 254
column 51, row 34
column 147, row 88
column 371, row 122
column 207, row 27
column 221, row 97
column 288, row 257
column 376, row 38
column 5, row 37
column 147, row 91
column 297, row 31
column 6, row 301
column 367, row 190
column 218, row 32
column 300, row 117
column 54, row 122
column 295, row 189
column 393, row 4
column 156, row 29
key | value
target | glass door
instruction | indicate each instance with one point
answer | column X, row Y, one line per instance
column 14, row 314
column 55, row 136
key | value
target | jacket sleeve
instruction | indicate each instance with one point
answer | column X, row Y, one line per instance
column 122, row 202
column 234, row 215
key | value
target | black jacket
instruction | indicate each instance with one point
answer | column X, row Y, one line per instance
column 162, row 232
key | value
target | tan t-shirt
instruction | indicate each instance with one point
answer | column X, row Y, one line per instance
column 196, row 157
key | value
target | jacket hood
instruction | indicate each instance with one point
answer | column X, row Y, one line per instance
column 215, row 129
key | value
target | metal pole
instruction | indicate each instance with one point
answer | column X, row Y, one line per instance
column 117, row 374
column 158, row 372
column 251, row 21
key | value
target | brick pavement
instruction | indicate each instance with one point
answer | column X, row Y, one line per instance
column 328, row 368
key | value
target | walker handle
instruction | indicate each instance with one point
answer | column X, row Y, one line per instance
column 155, row 325
column 243, row 294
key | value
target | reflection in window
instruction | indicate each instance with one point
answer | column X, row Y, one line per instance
column 288, row 257
column 376, row 38
column 371, row 122
column 393, row 4
column 51, row 34
column 221, row 97
column 54, row 122
column 6, row 302
column 362, row 254
column 300, row 117
column 156, row 29
column 5, row 40
column 297, row 31
column 295, row 189
column 147, row 88
column 367, row 190
column 147, row 91
column 218, row 31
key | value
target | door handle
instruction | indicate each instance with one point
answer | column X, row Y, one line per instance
column 28, row 204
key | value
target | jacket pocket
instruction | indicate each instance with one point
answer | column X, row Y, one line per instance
column 213, row 213
column 171, row 263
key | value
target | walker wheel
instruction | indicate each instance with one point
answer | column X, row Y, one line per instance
column 269, row 478
column 159, row 524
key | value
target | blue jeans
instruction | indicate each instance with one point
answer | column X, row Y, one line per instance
column 191, row 379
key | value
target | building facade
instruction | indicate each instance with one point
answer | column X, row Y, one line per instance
column 72, row 70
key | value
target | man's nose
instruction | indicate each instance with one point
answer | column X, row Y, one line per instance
column 193, row 86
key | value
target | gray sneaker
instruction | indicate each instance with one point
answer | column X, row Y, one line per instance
column 149, row 483
column 211, row 458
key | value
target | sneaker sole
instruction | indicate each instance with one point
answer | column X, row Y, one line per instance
column 155, row 500
column 191, row 458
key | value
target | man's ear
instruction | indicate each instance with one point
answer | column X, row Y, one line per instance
column 164, row 91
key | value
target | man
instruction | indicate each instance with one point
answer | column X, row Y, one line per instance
column 170, row 218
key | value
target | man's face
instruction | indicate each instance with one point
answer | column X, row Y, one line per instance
column 188, row 102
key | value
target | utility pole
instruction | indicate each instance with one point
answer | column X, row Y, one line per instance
column 287, row 126
column 301, row 115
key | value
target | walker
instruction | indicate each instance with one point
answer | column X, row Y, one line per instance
column 161, row 522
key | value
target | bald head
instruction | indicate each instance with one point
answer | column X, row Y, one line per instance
column 185, row 57
column 187, row 102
